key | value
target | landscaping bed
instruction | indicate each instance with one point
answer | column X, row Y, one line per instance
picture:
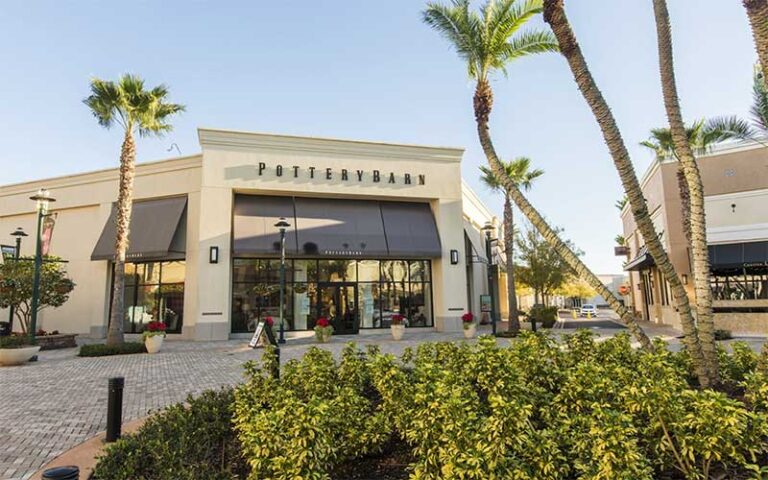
column 535, row 410
column 56, row 341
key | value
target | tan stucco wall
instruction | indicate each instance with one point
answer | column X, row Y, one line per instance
column 83, row 204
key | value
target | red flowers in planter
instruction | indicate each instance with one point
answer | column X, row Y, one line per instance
column 467, row 317
column 323, row 322
column 156, row 327
column 397, row 319
column 269, row 321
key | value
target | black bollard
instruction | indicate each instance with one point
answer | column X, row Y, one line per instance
column 276, row 373
column 115, row 408
column 62, row 473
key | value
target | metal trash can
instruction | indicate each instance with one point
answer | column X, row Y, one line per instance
column 62, row 473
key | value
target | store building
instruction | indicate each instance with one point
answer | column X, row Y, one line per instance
column 735, row 181
column 375, row 230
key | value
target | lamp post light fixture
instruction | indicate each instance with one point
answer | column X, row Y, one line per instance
column 19, row 234
column 42, row 201
column 282, row 225
column 489, row 229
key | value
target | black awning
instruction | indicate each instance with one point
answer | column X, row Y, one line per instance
column 158, row 231
column 253, row 225
column 411, row 230
column 335, row 228
column 737, row 255
column 642, row 261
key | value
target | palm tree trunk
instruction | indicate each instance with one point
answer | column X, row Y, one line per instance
column 122, row 227
column 685, row 202
column 554, row 15
column 513, row 323
column 698, row 221
column 757, row 11
column 483, row 103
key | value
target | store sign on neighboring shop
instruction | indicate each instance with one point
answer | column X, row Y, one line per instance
column 485, row 303
column 343, row 174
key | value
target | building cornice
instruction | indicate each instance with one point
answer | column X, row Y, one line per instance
column 213, row 138
column 107, row 174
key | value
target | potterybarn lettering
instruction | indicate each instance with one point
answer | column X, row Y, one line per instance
column 344, row 175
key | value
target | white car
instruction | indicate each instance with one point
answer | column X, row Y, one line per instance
column 588, row 309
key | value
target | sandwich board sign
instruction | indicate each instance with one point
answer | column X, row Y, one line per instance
column 262, row 336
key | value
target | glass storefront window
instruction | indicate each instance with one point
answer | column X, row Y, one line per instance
column 371, row 291
column 154, row 291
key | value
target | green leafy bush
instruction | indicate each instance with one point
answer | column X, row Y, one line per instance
column 536, row 410
column 16, row 341
column 721, row 334
column 181, row 443
column 102, row 350
column 546, row 316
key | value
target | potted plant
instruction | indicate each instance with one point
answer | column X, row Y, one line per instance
column 470, row 328
column 323, row 330
column 17, row 349
column 397, row 327
column 153, row 336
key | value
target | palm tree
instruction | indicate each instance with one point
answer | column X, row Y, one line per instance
column 127, row 104
column 755, row 129
column 554, row 15
column 697, row 224
column 757, row 11
column 519, row 171
column 488, row 41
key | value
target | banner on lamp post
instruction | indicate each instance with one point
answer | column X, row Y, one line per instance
column 48, row 223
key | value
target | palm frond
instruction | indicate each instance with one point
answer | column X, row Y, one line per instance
column 727, row 128
column 528, row 43
column 759, row 109
column 104, row 102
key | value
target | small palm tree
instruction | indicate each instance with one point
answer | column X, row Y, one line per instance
column 757, row 11
column 488, row 40
column 127, row 104
column 519, row 171
column 756, row 128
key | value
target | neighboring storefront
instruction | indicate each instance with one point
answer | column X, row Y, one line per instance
column 375, row 230
column 736, row 187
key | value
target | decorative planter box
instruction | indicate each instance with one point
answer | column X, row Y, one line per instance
column 17, row 356
column 55, row 342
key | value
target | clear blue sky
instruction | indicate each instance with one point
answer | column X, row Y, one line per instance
column 362, row 70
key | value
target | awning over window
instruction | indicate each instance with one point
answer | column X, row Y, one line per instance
column 158, row 231
column 323, row 227
column 642, row 261
column 254, row 222
column 738, row 255
column 411, row 230
column 476, row 243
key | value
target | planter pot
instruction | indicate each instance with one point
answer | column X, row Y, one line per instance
column 322, row 338
column 17, row 356
column 471, row 331
column 397, row 331
column 154, row 343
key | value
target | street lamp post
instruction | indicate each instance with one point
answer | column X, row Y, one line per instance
column 43, row 200
column 282, row 225
column 19, row 234
column 488, row 229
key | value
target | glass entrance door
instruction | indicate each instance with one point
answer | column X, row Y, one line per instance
column 338, row 303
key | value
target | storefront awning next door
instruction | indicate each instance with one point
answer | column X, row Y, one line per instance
column 642, row 261
column 158, row 231
column 336, row 228
column 738, row 255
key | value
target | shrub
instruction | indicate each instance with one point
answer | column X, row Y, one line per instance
column 102, row 350
column 546, row 316
column 180, row 443
column 16, row 341
column 721, row 334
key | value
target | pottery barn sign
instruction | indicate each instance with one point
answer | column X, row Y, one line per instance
column 376, row 176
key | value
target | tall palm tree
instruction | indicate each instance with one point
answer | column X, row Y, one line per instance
column 756, row 128
column 690, row 170
column 554, row 15
column 519, row 171
column 488, row 41
column 127, row 104
column 757, row 11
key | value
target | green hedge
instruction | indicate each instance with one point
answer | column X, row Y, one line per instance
column 181, row 443
column 16, row 341
column 546, row 316
column 101, row 350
